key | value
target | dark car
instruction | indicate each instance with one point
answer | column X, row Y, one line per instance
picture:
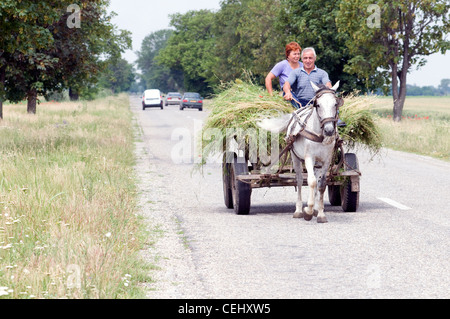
column 192, row 101
column 173, row 98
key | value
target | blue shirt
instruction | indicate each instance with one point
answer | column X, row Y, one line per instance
column 300, row 80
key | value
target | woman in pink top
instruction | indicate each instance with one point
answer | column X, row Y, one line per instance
column 282, row 69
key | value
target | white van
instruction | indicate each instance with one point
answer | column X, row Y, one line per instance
column 152, row 98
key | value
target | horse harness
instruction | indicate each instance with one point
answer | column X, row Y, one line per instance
column 296, row 115
column 290, row 139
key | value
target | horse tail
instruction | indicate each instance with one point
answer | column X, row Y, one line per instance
column 275, row 125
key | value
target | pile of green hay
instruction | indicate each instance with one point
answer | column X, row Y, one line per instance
column 241, row 105
column 361, row 129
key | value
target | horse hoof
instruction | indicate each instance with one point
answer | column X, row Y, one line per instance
column 322, row 220
column 307, row 213
column 298, row 215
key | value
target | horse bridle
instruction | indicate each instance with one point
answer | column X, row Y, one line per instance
column 290, row 139
column 339, row 103
column 311, row 135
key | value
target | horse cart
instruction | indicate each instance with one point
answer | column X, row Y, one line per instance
column 339, row 173
column 240, row 177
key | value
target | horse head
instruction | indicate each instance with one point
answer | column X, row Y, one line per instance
column 327, row 105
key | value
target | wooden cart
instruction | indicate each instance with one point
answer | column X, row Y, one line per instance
column 240, row 177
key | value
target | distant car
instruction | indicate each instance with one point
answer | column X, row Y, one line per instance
column 173, row 98
column 152, row 98
column 192, row 101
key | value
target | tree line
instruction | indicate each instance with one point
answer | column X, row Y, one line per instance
column 49, row 46
column 366, row 46
column 442, row 89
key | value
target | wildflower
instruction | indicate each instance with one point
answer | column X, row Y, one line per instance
column 126, row 280
column 3, row 291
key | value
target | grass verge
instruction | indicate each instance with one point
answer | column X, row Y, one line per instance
column 68, row 222
column 424, row 128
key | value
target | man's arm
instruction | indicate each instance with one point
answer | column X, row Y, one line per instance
column 287, row 87
column 287, row 91
column 326, row 80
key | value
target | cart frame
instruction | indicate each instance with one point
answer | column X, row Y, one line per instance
column 239, row 178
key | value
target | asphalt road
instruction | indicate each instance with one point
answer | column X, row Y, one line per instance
column 395, row 246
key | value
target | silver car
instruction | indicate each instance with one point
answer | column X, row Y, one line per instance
column 173, row 98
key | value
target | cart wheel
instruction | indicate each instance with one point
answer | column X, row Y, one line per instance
column 334, row 195
column 241, row 191
column 228, row 158
column 350, row 200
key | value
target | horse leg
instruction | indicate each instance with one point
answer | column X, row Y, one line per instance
column 298, row 167
column 321, row 186
column 316, row 202
column 312, row 183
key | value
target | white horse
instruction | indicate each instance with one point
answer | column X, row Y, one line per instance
column 313, row 134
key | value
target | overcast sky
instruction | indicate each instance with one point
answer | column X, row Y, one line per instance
column 143, row 17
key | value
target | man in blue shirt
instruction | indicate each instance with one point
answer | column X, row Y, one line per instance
column 298, row 84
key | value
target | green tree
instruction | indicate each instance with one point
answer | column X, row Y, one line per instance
column 444, row 87
column 118, row 76
column 211, row 48
column 246, row 39
column 312, row 23
column 389, row 37
column 413, row 90
column 190, row 47
column 23, row 26
column 68, row 57
column 85, row 52
column 155, row 74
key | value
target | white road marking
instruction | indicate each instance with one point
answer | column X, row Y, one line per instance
column 394, row 203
